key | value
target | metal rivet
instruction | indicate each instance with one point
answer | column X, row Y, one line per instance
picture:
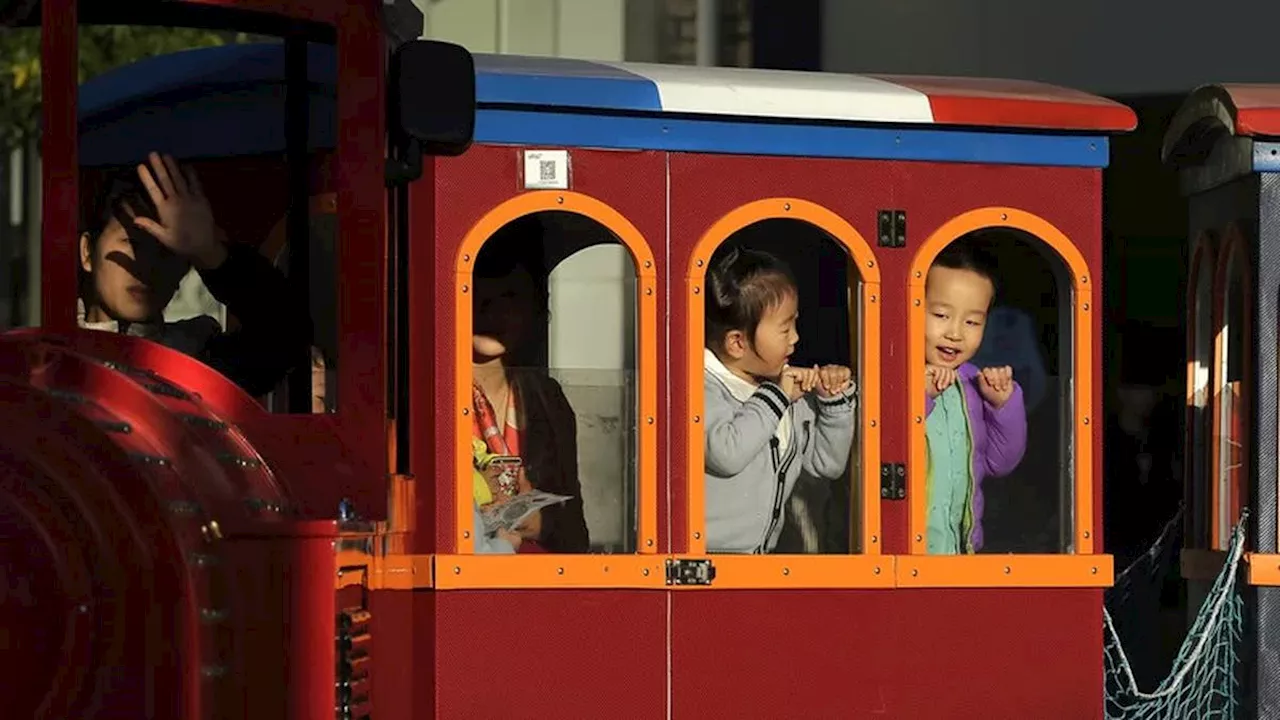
column 465, row 289
column 466, row 534
column 919, row 538
column 560, row 200
column 82, row 608
column 873, row 423
column 648, row 263
column 696, row 290
column 1004, row 216
column 1086, row 534
column 649, row 542
column 698, row 262
column 648, row 291
column 466, row 411
column 917, row 419
column 873, row 298
column 1086, row 421
column 697, row 418
column 1084, row 279
column 876, row 570
column 649, row 420
column 917, row 274
column 697, row 536
column 457, row 570
column 917, row 303
column 466, row 258
column 786, row 207
column 645, row 572
column 871, row 263
column 786, row 571
column 1007, row 570
column 915, row 573
column 1093, row 570
column 1086, row 307
column 560, row 571
column 875, row 539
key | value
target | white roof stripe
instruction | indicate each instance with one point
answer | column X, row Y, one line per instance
column 782, row 94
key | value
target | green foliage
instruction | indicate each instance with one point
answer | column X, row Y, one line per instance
column 102, row 48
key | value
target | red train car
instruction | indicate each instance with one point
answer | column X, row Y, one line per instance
column 229, row 544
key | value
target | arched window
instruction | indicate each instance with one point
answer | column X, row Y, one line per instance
column 776, row 468
column 1001, row 462
column 1200, row 363
column 556, row 352
column 1230, row 392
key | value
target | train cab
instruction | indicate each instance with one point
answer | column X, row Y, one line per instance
column 1224, row 143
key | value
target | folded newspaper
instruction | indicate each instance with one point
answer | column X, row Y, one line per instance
column 508, row 515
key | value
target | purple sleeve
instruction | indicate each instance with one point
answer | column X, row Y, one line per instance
column 1006, row 433
column 928, row 405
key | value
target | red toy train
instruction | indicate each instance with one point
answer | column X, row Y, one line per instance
column 176, row 548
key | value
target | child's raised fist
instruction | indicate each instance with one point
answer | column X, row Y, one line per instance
column 937, row 379
column 833, row 380
column 996, row 385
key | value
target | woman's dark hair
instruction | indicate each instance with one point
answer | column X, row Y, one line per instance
column 742, row 285
column 518, row 244
column 969, row 253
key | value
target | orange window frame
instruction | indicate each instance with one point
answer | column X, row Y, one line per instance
column 1080, row 569
column 464, row 569
column 1233, row 251
column 869, row 568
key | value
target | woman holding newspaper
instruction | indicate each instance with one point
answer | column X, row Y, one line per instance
column 524, row 439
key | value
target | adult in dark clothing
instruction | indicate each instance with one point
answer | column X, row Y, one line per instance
column 518, row 408
column 139, row 240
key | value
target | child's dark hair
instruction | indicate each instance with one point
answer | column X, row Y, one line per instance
column 741, row 286
column 968, row 253
column 120, row 188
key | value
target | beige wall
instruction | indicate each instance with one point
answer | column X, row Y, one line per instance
column 586, row 29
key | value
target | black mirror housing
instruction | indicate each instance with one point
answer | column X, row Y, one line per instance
column 433, row 97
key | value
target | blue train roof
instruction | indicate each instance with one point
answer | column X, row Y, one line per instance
column 230, row 101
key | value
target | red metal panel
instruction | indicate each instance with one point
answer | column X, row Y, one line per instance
column 906, row 654
column 60, row 213
column 400, row 662
column 553, row 654
column 982, row 102
column 362, row 252
column 328, row 11
column 468, row 187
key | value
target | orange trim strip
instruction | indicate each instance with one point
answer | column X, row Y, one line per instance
column 796, row 572
column 987, row 571
column 1082, row 370
column 647, row 353
column 454, row 572
column 1233, row 249
column 1263, row 569
column 379, row 572
column 868, row 345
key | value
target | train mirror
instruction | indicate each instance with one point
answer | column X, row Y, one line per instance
column 433, row 97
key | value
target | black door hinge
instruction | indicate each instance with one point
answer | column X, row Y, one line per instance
column 893, row 228
column 893, row 481
column 690, row 572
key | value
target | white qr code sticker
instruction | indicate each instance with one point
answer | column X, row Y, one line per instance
column 546, row 169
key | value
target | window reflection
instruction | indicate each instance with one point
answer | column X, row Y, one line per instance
column 1230, row 398
column 1199, row 380
column 554, row 398
column 781, row 451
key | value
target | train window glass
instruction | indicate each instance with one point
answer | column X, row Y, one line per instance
column 781, row 478
column 20, row 211
column 1199, row 380
column 228, row 287
column 1000, row 470
column 1229, row 455
column 554, row 323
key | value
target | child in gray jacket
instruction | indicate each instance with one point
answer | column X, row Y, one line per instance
column 765, row 420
